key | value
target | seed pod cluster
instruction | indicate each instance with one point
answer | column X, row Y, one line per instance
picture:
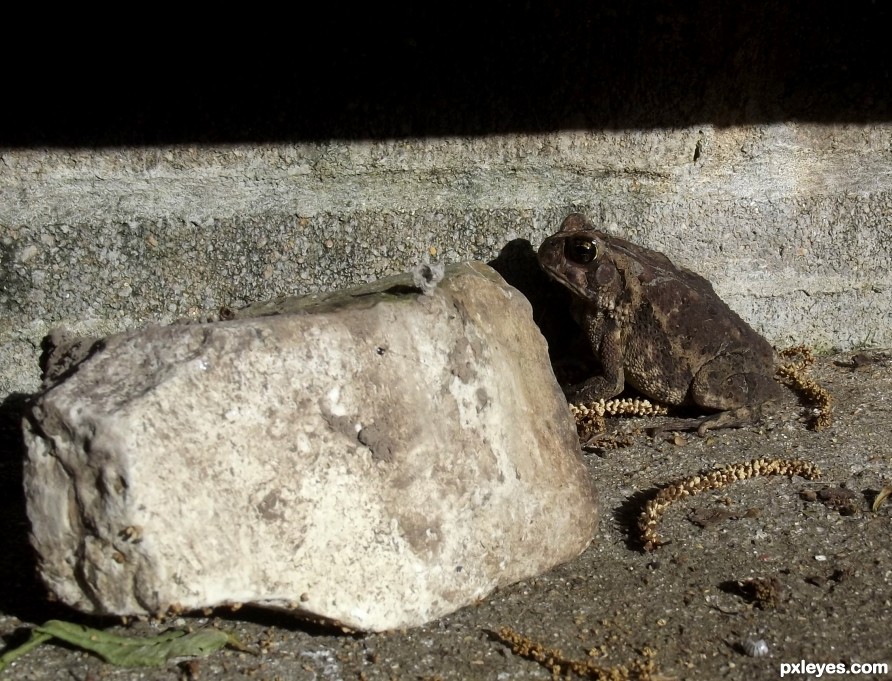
column 561, row 666
column 624, row 407
column 590, row 417
column 649, row 520
column 796, row 374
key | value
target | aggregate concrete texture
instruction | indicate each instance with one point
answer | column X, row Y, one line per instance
column 788, row 220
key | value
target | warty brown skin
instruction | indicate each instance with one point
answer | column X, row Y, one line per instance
column 660, row 328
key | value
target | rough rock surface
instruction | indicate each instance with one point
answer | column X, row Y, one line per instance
column 377, row 458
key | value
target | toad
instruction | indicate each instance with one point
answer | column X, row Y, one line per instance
column 660, row 329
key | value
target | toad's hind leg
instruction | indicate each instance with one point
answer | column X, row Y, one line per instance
column 730, row 418
column 733, row 381
column 737, row 395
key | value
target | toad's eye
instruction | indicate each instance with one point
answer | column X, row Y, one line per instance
column 581, row 250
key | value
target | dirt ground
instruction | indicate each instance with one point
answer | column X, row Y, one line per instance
column 821, row 561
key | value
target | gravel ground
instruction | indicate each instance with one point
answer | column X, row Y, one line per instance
column 825, row 570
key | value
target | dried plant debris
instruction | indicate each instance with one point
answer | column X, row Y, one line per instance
column 763, row 592
column 841, row 499
column 607, row 442
column 804, row 352
column 554, row 660
column 126, row 651
column 881, row 497
column 589, row 424
column 837, row 576
column 707, row 518
column 624, row 407
column 649, row 520
column 867, row 358
column 795, row 374
column 590, row 419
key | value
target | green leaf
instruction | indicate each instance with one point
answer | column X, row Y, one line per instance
column 125, row 651
column 11, row 656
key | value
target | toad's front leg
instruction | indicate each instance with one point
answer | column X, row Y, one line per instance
column 610, row 382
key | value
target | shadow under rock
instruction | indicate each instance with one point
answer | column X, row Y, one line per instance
column 279, row 619
column 22, row 594
column 568, row 348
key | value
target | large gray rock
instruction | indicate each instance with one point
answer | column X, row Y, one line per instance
column 377, row 459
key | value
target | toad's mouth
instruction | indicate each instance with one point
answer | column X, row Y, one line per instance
column 573, row 278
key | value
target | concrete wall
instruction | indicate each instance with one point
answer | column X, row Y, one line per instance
column 790, row 222
column 750, row 143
